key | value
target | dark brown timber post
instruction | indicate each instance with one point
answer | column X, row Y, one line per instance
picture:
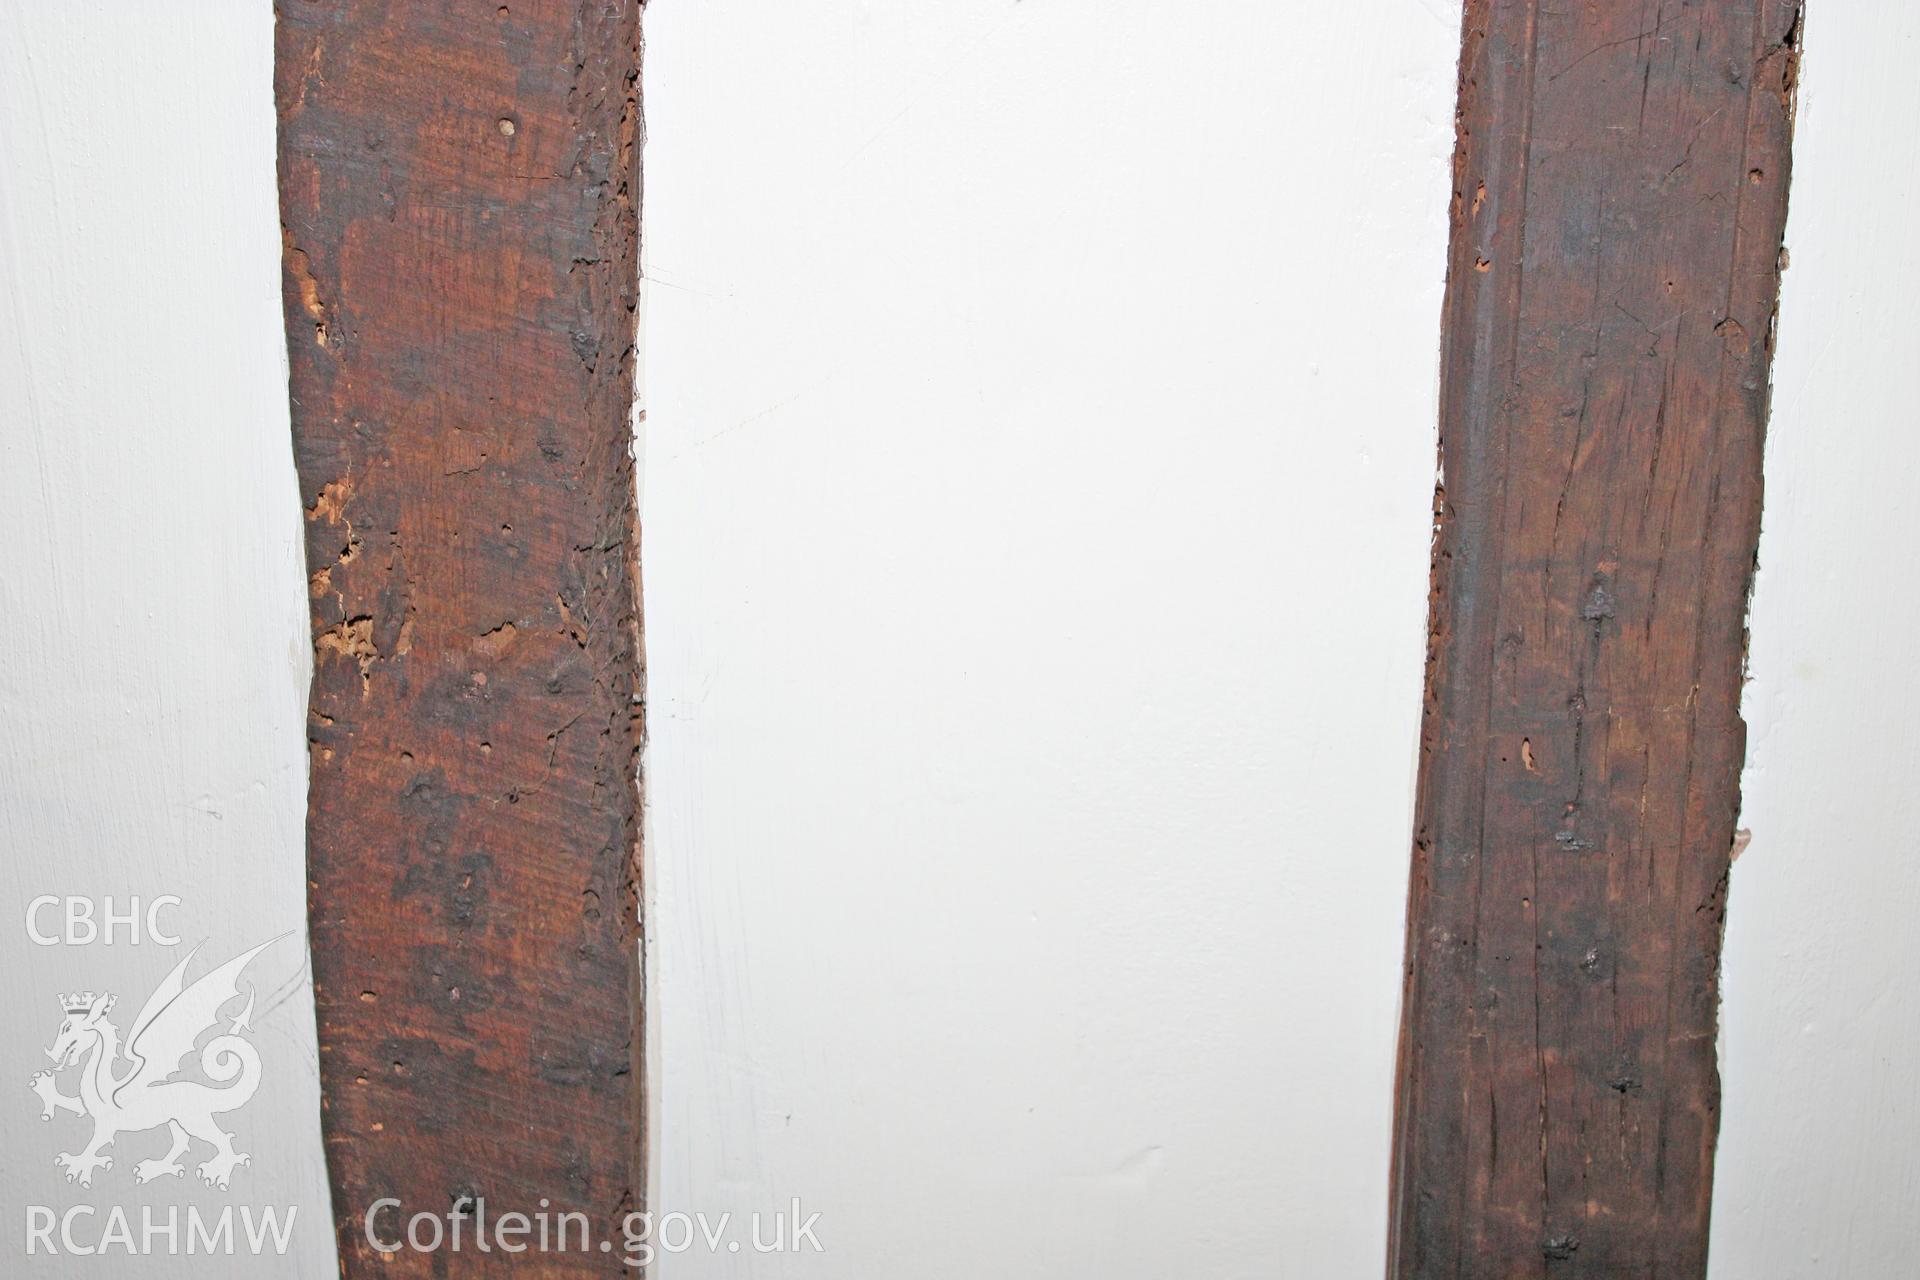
column 459, row 190
column 1619, row 197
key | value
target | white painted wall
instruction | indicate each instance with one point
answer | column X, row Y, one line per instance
column 153, row 687
column 1039, row 455
column 1819, row 1167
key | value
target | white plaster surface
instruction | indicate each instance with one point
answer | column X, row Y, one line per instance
column 153, row 666
column 1040, row 431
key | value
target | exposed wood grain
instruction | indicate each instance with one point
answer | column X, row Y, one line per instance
column 459, row 186
column 1620, row 194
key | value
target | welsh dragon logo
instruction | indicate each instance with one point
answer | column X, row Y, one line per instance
column 144, row 1093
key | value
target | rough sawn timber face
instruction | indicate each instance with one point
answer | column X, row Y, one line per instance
column 459, row 193
column 1619, row 200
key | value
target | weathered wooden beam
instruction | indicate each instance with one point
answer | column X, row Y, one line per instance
column 459, row 190
column 1619, row 199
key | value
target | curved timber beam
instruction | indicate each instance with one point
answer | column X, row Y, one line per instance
column 1619, row 199
column 459, row 192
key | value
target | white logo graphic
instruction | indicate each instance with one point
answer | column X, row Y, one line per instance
column 144, row 1094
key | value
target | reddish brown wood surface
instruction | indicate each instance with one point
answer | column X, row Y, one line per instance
column 1620, row 194
column 459, row 187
